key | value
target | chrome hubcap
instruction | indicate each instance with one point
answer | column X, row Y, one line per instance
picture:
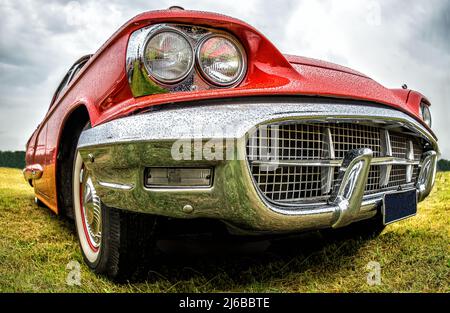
column 90, row 209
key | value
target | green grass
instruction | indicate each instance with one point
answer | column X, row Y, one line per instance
column 36, row 245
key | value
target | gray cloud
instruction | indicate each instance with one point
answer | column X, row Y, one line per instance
column 393, row 41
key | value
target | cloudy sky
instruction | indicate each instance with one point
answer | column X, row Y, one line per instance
column 392, row 41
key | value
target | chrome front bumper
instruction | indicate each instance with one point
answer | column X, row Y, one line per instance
column 118, row 152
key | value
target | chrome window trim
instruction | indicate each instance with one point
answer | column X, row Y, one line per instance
column 77, row 68
column 70, row 74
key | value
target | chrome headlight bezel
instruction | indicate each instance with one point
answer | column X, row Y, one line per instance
column 148, row 68
column 425, row 113
column 141, row 80
column 242, row 56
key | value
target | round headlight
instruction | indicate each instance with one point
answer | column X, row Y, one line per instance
column 426, row 114
column 168, row 56
column 221, row 60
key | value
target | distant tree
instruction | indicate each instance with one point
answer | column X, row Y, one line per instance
column 443, row 165
column 15, row 159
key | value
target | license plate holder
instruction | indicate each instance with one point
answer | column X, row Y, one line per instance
column 399, row 205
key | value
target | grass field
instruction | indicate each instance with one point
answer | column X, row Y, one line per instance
column 36, row 246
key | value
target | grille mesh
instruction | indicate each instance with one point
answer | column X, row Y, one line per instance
column 308, row 141
column 353, row 136
column 373, row 179
column 398, row 144
column 294, row 141
column 289, row 183
column 398, row 176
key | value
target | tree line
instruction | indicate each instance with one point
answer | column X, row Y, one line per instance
column 443, row 165
column 16, row 159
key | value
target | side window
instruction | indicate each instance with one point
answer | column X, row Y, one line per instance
column 68, row 78
column 62, row 85
column 76, row 70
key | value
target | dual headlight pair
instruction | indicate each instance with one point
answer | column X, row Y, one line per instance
column 169, row 57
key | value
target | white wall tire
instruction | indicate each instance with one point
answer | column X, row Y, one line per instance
column 91, row 250
column 126, row 243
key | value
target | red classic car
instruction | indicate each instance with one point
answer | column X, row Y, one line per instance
column 188, row 121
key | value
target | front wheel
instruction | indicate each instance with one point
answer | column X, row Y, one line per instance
column 113, row 242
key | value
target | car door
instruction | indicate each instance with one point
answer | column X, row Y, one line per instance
column 41, row 183
column 52, row 131
column 41, row 160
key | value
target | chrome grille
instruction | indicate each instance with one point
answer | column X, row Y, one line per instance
column 361, row 136
column 295, row 141
column 299, row 141
column 418, row 149
column 398, row 176
column 373, row 180
column 291, row 183
column 398, row 144
column 297, row 147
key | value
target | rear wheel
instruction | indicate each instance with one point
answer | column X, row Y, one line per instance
column 113, row 242
column 38, row 202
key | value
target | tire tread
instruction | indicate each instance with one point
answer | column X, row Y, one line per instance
column 131, row 244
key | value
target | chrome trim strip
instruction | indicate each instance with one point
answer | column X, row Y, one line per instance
column 386, row 150
column 115, row 185
column 389, row 161
column 326, row 173
column 321, row 201
column 409, row 156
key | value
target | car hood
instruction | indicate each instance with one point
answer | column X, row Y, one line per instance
column 269, row 72
column 299, row 60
